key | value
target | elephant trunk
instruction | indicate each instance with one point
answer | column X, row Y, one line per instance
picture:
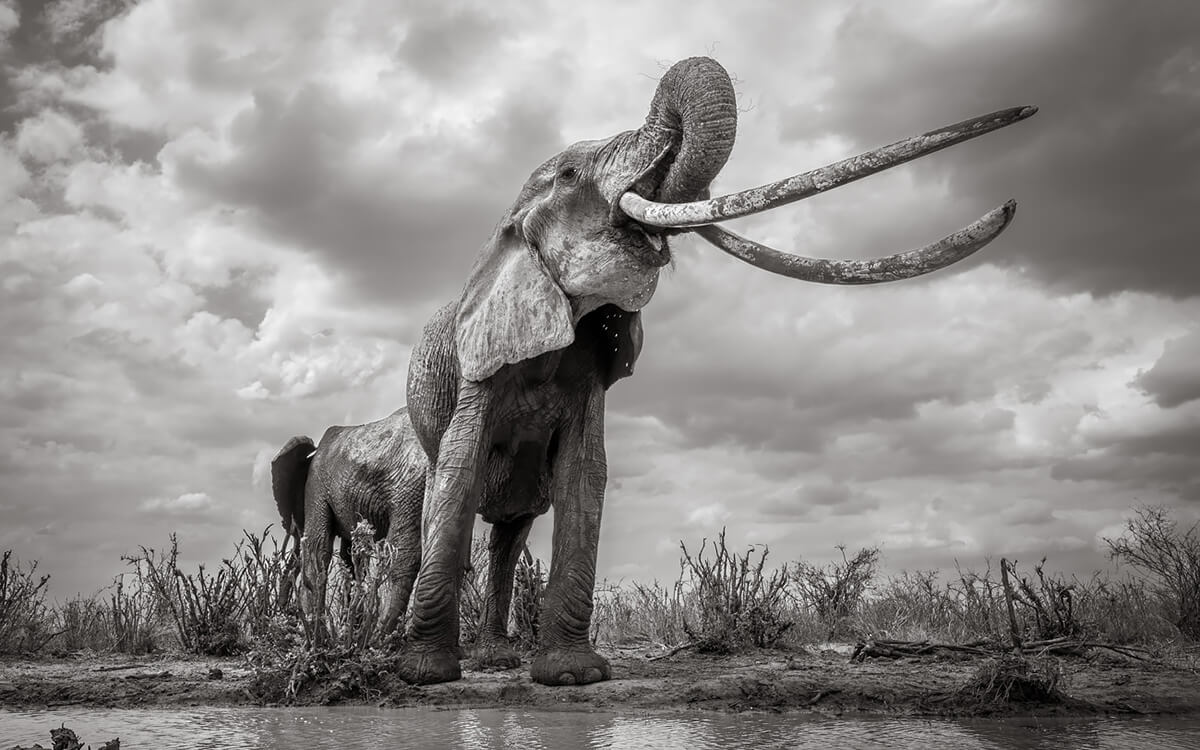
column 694, row 111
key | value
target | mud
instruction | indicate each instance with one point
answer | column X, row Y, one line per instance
column 824, row 682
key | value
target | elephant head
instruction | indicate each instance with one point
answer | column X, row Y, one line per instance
column 591, row 226
column 566, row 248
column 506, row 387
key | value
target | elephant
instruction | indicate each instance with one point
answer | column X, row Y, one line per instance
column 374, row 472
column 506, row 384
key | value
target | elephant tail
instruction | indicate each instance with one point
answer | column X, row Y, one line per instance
column 289, row 472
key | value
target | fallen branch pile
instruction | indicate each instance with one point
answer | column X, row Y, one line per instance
column 884, row 649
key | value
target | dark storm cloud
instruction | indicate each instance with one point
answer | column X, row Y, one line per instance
column 242, row 299
column 405, row 224
column 1107, row 174
column 51, row 33
column 1174, row 474
column 1175, row 377
column 1153, row 456
column 444, row 48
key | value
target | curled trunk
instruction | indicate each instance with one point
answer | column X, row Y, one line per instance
column 694, row 115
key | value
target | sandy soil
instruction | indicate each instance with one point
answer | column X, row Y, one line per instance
column 825, row 682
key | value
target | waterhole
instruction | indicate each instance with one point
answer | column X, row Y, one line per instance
column 270, row 728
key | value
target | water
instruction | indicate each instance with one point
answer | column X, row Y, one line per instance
column 534, row 730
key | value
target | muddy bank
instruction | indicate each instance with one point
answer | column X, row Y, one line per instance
column 825, row 683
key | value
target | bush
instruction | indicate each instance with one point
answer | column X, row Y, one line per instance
column 999, row 683
column 286, row 664
column 25, row 622
column 736, row 604
column 205, row 609
column 836, row 591
column 529, row 590
column 1153, row 543
column 356, row 594
column 267, row 580
column 1050, row 603
column 289, row 657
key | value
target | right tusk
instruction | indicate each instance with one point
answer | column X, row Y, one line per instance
column 797, row 187
column 940, row 254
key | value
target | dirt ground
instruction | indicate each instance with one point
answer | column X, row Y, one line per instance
column 824, row 682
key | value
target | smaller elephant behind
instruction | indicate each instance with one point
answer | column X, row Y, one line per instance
column 374, row 472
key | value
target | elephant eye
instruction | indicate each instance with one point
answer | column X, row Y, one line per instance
column 568, row 173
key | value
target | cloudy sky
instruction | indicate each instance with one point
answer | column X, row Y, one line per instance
column 224, row 223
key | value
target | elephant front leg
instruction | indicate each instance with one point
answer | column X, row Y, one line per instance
column 493, row 648
column 565, row 655
column 431, row 648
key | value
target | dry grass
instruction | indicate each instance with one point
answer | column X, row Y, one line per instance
column 723, row 601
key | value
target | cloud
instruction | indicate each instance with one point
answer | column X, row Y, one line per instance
column 1104, row 172
column 187, row 504
column 226, row 224
column 1175, row 377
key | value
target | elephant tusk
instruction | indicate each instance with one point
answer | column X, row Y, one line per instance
column 797, row 187
column 948, row 250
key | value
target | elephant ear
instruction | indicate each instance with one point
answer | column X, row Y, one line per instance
column 511, row 309
column 620, row 341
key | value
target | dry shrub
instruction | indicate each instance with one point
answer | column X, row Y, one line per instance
column 356, row 593
column 25, row 621
column 290, row 657
column 286, row 665
column 735, row 604
column 204, row 608
column 836, row 591
column 1012, row 680
column 529, row 591
column 1153, row 543
column 267, row 580
column 1049, row 605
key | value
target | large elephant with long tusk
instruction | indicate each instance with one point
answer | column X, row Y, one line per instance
column 506, row 386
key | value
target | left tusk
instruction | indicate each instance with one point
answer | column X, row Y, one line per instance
column 949, row 249
column 797, row 187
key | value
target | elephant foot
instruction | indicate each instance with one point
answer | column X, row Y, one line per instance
column 496, row 652
column 569, row 667
column 425, row 666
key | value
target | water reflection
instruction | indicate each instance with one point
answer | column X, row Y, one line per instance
column 488, row 729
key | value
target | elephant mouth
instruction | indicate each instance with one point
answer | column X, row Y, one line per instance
column 649, row 246
column 647, row 242
column 651, row 219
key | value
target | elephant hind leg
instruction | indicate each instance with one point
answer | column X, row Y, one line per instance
column 316, row 554
column 404, row 535
column 494, row 648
